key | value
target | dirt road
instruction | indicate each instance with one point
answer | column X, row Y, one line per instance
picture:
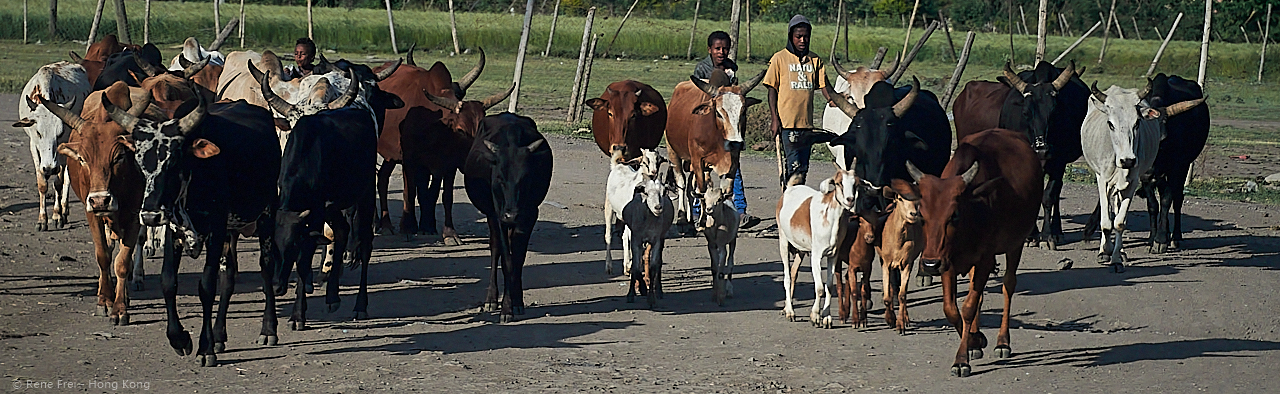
column 1201, row 319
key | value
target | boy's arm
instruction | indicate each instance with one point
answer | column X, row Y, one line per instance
column 826, row 87
column 775, row 122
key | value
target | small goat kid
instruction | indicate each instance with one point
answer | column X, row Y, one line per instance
column 620, row 188
column 901, row 242
column 648, row 216
column 720, row 226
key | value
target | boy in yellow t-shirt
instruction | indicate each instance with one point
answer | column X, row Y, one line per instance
column 794, row 73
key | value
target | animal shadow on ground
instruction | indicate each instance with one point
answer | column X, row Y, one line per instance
column 19, row 207
column 1137, row 223
column 479, row 338
column 1123, row 354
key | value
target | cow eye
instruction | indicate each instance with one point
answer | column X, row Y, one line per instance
column 1111, row 126
column 1053, row 93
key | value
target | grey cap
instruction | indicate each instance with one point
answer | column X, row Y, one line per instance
column 797, row 20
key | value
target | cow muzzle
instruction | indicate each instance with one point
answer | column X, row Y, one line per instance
column 101, row 203
column 153, row 218
column 734, row 146
column 1127, row 163
column 509, row 217
column 50, row 172
column 931, row 267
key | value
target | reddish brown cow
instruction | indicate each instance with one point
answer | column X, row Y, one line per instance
column 705, row 131
column 421, row 120
column 627, row 117
column 95, row 58
column 984, row 204
column 980, row 103
column 105, row 177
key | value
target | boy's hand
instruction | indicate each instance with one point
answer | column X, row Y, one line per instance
column 775, row 125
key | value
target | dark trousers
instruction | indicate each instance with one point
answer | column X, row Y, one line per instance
column 797, row 145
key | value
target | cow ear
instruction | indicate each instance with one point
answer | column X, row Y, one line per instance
column 281, row 124
column 752, row 101
column 597, row 103
column 703, row 109
column 204, row 149
column 493, row 148
column 647, row 109
column 1150, row 113
column 987, row 187
column 24, row 122
column 919, row 142
column 127, row 142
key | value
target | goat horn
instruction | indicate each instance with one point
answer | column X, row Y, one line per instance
column 915, row 172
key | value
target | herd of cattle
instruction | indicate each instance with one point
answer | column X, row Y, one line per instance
column 216, row 147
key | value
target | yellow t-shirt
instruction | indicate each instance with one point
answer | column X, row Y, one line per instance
column 795, row 79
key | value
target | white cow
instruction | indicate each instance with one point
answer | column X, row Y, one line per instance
column 812, row 222
column 1120, row 138
column 65, row 84
column 193, row 52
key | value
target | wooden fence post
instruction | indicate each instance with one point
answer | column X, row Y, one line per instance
column 555, row 14
column 53, row 19
column 146, row 22
column 947, row 29
column 453, row 30
column 221, row 38
column 694, row 30
column 1042, row 30
column 391, row 24
column 1119, row 30
column 310, row 31
column 217, row 15
column 1162, row 45
column 242, row 21
column 746, row 44
column 1023, row 15
column 1106, row 31
column 907, row 40
column 586, row 73
column 1266, row 34
column 24, row 21
column 1136, row 31
column 949, row 92
column 1204, row 42
column 624, row 22
column 735, row 16
column 906, row 60
column 93, row 29
column 574, row 100
column 835, row 38
column 1077, row 43
column 524, row 44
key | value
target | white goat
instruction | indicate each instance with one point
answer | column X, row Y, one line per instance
column 620, row 189
column 720, row 226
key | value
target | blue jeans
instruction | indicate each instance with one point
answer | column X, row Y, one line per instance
column 739, row 198
column 796, row 148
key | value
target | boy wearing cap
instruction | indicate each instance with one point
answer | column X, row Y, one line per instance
column 794, row 73
column 718, row 44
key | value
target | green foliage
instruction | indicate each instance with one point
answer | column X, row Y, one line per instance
column 891, row 7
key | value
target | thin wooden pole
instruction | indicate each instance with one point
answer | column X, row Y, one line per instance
column 586, row 71
column 574, row 100
column 53, row 19
column 1136, row 32
column 1160, row 51
column 845, row 12
column 624, row 22
column 1023, row 14
column 240, row 29
column 310, row 31
column 217, row 15
column 24, row 21
column 906, row 61
column 746, row 44
column 835, row 38
column 1106, row 31
column 555, row 15
column 93, row 29
column 947, row 29
column 1204, row 42
column 146, row 22
column 1042, row 30
column 1119, row 30
column 694, row 30
column 906, row 41
column 949, row 93
column 735, row 16
column 1246, row 35
column 1077, row 43
column 391, row 24
column 1266, row 34
column 524, row 44
column 879, row 58
column 453, row 30
column 1158, row 34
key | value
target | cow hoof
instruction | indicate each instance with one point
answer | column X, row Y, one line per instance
column 975, row 354
column 219, row 347
column 333, row 307
column 827, row 322
column 123, row 320
column 268, row 340
column 1173, row 245
column 452, row 241
column 208, row 360
column 1158, row 248
column 115, row 320
column 1104, row 258
column 361, row 315
column 42, row 227
column 1117, row 268
column 181, row 343
column 961, row 370
column 1003, row 351
column 506, row 318
column 490, row 306
column 307, row 287
column 298, row 325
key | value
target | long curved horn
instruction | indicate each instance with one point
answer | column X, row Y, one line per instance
column 470, row 77
column 968, row 175
column 843, row 103
column 1098, row 94
column 839, row 70
column 68, row 117
column 189, row 68
column 348, row 95
column 497, row 98
column 74, row 57
column 705, row 87
column 1014, row 79
column 193, row 118
column 386, row 72
column 1146, row 90
column 276, row 103
column 900, row 108
column 751, row 84
column 892, row 66
column 150, row 69
column 915, row 172
column 1182, row 107
column 448, row 103
column 324, row 66
column 122, row 118
column 408, row 56
column 139, row 102
column 1065, row 76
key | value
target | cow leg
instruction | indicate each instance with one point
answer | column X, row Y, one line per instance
column 205, row 354
column 179, row 339
column 62, row 214
column 514, row 270
column 227, row 272
column 42, row 188
column 628, row 254
column 1117, row 255
column 1148, row 193
column 268, row 260
column 1010, row 286
column 306, row 251
column 434, row 183
column 361, row 247
column 788, row 277
column 717, row 270
column 412, row 175
column 1055, row 192
column 384, row 182
column 341, row 240
column 1104, row 207
column 495, row 264
column 123, row 269
column 1179, row 194
column 102, row 253
column 446, row 198
column 138, row 271
column 971, row 339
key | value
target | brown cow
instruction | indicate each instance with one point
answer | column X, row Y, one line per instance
column 705, row 131
column 95, row 58
column 446, row 149
column 104, row 175
column 984, row 204
column 627, row 117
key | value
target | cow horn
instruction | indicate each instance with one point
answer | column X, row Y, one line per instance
column 139, row 103
column 122, row 118
column 255, row 72
column 915, row 172
column 705, row 87
column 408, row 56
column 892, row 67
column 193, row 118
column 1182, row 107
column 1146, row 90
column 68, row 117
column 903, row 105
column 497, row 98
column 74, row 57
column 470, row 77
column 349, row 95
column 968, row 175
column 839, row 70
column 190, row 68
column 386, row 72
column 324, row 66
column 1065, row 76
column 448, row 103
column 1098, row 94
column 150, row 69
column 843, row 103
column 276, row 103
column 1014, row 79
column 751, row 84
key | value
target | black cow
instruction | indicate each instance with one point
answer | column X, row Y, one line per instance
column 217, row 180
column 507, row 174
column 327, row 176
column 130, row 66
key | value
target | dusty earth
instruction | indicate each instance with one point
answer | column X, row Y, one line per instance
column 1201, row 319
